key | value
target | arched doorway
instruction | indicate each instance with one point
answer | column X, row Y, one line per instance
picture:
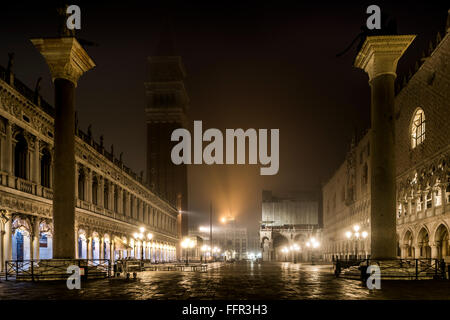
column 21, row 240
column 279, row 242
column 45, row 241
column 407, row 243
column 442, row 242
column 82, row 245
column 423, row 242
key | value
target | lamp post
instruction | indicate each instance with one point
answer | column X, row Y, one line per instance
column 187, row 244
column 285, row 250
column 312, row 244
column 356, row 236
column 294, row 249
column 204, row 249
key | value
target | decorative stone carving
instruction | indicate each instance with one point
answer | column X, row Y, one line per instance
column 65, row 57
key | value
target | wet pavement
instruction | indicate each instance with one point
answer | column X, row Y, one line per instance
column 244, row 280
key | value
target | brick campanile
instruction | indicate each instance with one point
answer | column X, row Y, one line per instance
column 67, row 61
column 378, row 57
column 167, row 102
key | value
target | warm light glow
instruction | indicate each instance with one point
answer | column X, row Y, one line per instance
column 203, row 229
column 141, row 229
column 135, row 235
column 223, row 220
column 308, row 244
column 365, row 234
column 149, row 236
column 356, row 228
column 348, row 234
column 357, row 235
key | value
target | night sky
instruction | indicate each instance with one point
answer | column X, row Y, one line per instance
column 249, row 65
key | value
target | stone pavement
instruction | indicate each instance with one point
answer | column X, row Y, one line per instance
column 243, row 280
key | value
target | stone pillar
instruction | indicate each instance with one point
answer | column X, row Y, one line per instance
column 77, row 196
column 36, row 167
column 378, row 57
column 34, row 238
column 111, row 251
column 67, row 61
column 89, row 187
column 101, row 254
column 7, row 252
column 89, row 247
column 434, row 251
column 416, row 252
column 2, row 261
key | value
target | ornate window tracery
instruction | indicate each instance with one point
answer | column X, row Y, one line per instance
column 418, row 128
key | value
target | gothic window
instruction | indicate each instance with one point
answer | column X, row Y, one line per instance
column 21, row 157
column 429, row 200
column 399, row 210
column 106, row 195
column 447, row 191
column 418, row 128
column 45, row 168
column 437, row 197
column 95, row 191
column 81, row 181
column 419, row 204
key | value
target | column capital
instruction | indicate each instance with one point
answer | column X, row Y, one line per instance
column 379, row 54
column 65, row 57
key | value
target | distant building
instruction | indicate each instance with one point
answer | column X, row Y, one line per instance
column 289, row 221
column 230, row 239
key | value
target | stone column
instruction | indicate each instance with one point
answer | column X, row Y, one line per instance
column 434, row 251
column 36, row 163
column 67, row 61
column 89, row 187
column 7, row 252
column 34, row 238
column 416, row 252
column 101, row 254
column 2, row 262
column 89, row 247
column 378, row 57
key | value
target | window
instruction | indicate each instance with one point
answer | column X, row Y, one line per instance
column 45, row 168
column 124, row 203
column 20, row 157
column 429, row 200
column 447, row 191
column 437, row 197
column 81, row 179
column 418, row 128
column 419, row 204
column 365, row 174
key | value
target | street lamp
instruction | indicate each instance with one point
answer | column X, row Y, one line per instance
column 356, row 236
column 140, row 236
column 204, row 249
column 295, row 249
column 187, row 244
column 312, row 244
column 285, row 250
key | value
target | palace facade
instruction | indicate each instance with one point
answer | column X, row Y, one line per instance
column 113, row 204
column 422, row 142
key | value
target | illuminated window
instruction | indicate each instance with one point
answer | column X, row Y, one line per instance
column 418, row 128
column 438, row 197
column 429, row 200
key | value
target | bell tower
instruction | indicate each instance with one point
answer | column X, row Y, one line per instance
column 166, row 105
